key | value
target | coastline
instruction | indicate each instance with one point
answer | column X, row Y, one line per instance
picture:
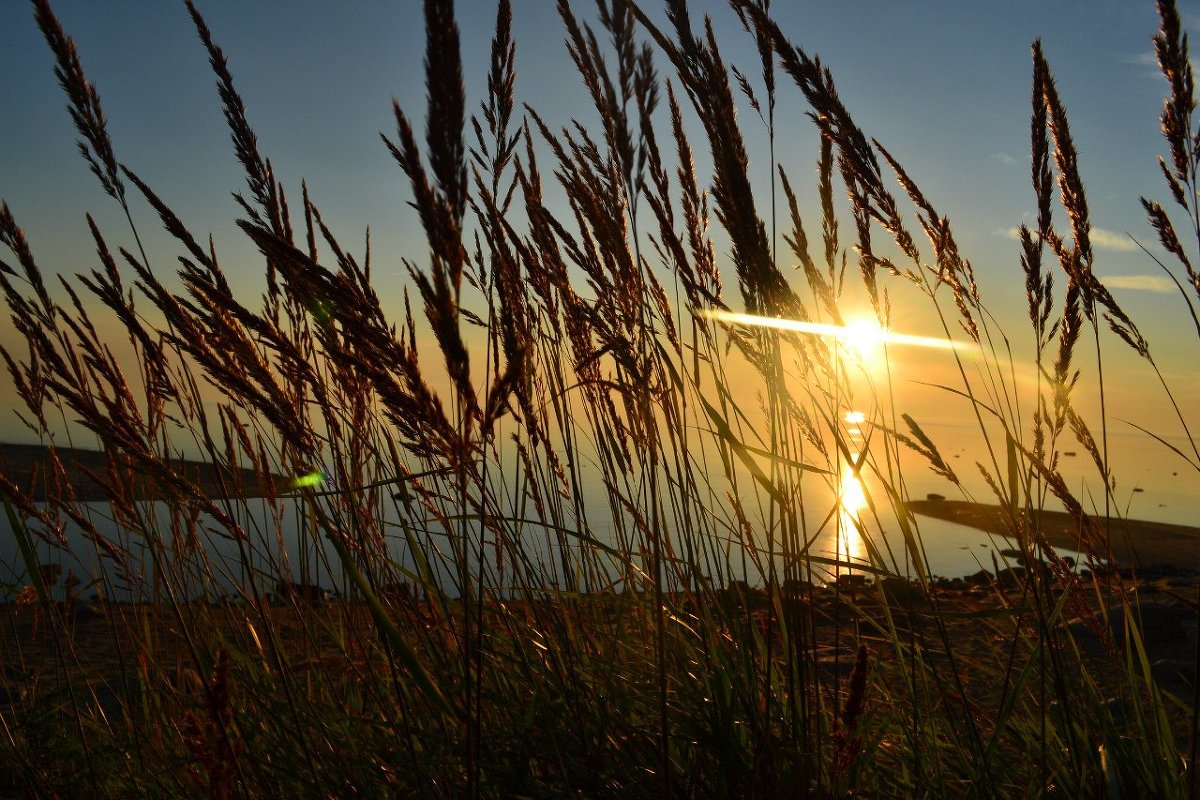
column 1134, row 543
column 25, row 465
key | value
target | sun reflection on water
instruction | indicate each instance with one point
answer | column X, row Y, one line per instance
column 852, row 499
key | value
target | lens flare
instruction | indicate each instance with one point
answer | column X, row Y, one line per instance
column 862, row 336
column 309, row 480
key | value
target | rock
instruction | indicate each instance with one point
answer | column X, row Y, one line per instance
column 794, row 587
column 981, row 578
column 303, row 593
column 1168, row 632
column 851, row 581
column 1011, row 578
column 1161, row 570
column 84, row 612
column 901, row 591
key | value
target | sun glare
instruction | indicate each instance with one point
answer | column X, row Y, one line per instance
column 853, row 498
column 864, row 337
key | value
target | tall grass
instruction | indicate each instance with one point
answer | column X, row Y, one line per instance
column 574, row 554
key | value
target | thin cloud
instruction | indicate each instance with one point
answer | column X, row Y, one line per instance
column 1005, row 159
column 1101, row 239
column 1147, row 63
column 1139, row 283
column 1146, row 59
column 1108, row 240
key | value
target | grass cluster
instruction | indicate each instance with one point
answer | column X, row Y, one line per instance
column 573, row 557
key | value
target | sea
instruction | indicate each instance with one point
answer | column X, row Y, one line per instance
column 849, row 530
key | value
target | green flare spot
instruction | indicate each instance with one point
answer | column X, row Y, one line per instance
column 311, row 479
column 321, row 310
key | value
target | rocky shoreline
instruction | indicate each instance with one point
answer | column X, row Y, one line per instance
column 1138, row 544
column 28, row 465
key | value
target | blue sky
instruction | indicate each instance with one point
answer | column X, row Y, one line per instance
column 944, row 84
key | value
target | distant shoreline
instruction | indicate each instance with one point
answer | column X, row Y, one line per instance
column 1136, row 543
column 1133, row 542
column 26, row 466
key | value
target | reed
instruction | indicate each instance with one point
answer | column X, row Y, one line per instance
column 570, row 550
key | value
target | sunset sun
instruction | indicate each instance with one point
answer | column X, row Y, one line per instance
column 863, row 339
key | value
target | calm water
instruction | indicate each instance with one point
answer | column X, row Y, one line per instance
column 1152, row 484
column 952, row 550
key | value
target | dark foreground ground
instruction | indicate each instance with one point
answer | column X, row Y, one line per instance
column 125, row 663
column 978, row 619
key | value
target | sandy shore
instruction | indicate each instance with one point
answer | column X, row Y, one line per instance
column 26, row 465
column 1134, row 543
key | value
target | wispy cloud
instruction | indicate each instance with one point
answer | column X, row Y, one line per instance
column 1139, row 283
column 1108, row 240
column 1101, row 239
column 1005, row 159
column 1147, row 63
column 1144, row 59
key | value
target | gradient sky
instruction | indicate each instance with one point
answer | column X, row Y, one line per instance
column 944, row 84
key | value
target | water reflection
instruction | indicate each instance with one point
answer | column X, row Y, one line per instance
column 852, row 499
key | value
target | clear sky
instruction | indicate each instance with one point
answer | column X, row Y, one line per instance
column 943, row 83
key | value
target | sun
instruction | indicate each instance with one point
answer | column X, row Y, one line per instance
column 860, row 335
column 863, row 338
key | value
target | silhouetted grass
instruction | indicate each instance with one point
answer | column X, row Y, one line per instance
column 573, row 550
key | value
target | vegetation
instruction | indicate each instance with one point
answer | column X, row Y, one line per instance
column 582, row 564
